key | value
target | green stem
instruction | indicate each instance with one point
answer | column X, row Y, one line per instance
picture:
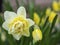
column 0, row 36
column 10, row 39
column 31, row 8
column 22, row 40
column 11, row 42
column 17, row 3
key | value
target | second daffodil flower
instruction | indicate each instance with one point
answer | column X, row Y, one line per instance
column 37, row 35
column 17, row 24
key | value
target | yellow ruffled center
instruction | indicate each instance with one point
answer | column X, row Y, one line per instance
column 18, row 25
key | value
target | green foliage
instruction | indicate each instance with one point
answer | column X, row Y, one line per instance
column 1, row 20
column 7, row 5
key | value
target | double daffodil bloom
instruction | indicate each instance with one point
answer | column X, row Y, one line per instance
column 52, row 16
column 36, row 19
column 37, row 35
column 55, row 6
column 48, row 11
column 17, row 24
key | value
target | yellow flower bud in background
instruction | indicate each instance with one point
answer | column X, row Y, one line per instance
column 36, row 18
column 48, row 11
column 42, row 21
column 52, row 16
column 37, row 35
column 57, row 21
column 55, row 6
column 3, row 36
column 59, row 5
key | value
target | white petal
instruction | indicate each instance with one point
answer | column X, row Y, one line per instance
column 5, row 25
column 17, row 36
column 21, row 11
column 30, row 22
column 26, row 33
column 9, row 15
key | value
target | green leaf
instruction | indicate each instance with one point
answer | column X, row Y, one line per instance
column 1, row 21
column 53, row 23
column 7, row 6
column 17, row 3
column 0, row 39
column 31, row 9
column 45, row 22
column 55, row 39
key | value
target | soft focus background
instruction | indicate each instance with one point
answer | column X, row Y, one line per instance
column 38, row 6
column 42, row 3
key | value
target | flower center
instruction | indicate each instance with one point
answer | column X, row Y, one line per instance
column 18, row 25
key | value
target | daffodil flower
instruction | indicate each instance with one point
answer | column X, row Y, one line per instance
column 17, row 24
column 52, row 16
column 48, row 11
column 37, row 34
column 36, row 19
column 55, row 6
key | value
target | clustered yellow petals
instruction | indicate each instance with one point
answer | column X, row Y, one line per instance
column 19, row 24
column 21, row 19
column 36, row 19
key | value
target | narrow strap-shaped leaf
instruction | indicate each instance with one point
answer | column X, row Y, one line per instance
column 31, row 38
column 53, row 23
column 0, row 38
column 45, row 22
column 22, row 41
column 17, row 3
column 31, row 8
column 54, row 40
column 1, row 21
column 7, row 6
